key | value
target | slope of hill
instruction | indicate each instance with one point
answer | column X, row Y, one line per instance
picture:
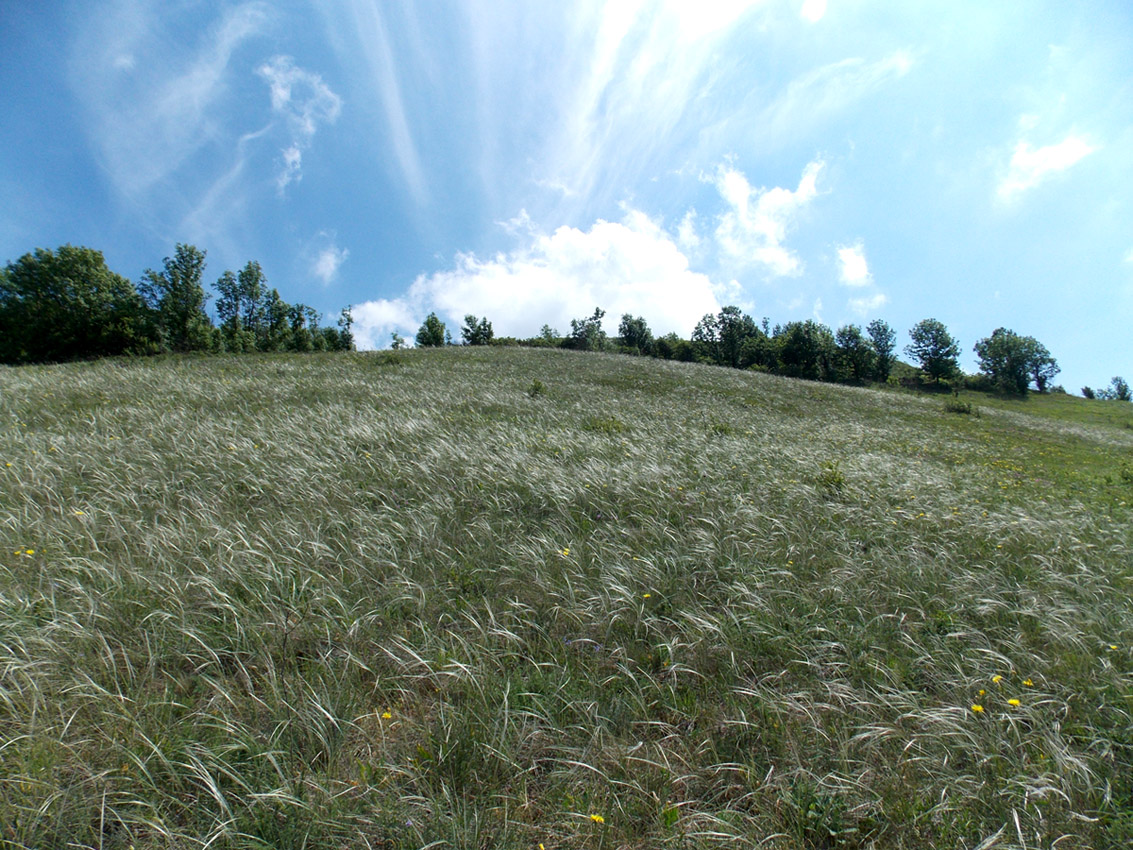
column 512, row 598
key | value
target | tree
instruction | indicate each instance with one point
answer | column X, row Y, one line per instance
column 1003, row 358
column 1041, row 365
column 587, row 334
column 476, row 331
column 706, row 338
column 66, row 304
column 178, row 298
column 1118, row 390
column 856, row 356
column 431, row 334
column 807, row 350
column 635, row 335
column 1012, row 361
column 935, row 349
column 884, row 340
column 345, row 330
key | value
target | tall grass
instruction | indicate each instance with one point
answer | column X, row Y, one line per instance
column 402, row 601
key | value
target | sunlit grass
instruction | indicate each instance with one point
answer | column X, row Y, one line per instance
column 403, row 600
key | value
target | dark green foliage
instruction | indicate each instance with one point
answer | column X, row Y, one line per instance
column 476, row 331
column 730, row 338
column 884, row 340
column 934, row 349
column 634, row 335
column 65, row 305
column 178, row 298
column 1088, row 393
column 856, row 358
column 587, row 334
column 672, row 347
column 807, row 350
column 255, row 318
column 954, row 405
column 1118, row 390
column 1011, row 362
column 431, row 334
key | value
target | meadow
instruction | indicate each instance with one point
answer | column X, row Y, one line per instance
column 509, row 598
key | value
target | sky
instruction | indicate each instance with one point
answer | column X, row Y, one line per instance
column 531, row 161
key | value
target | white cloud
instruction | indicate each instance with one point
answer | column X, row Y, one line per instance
column 813, row 10
column 374, row 321
column 1030, row 166
column 292, row 165
column 687, row 237
column 755, row 227
column 868, row 304
column 827, row 91
column 305, row 102
column 376, row 50
column 631, row 266
column 327, row 261
column 853, row 270
column 172, row 109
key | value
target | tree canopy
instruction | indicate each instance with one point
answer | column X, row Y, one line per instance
column 65, row 305
column 1012, row 361
column 934, row 349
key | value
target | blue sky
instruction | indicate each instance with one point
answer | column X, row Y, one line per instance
column 529, row 161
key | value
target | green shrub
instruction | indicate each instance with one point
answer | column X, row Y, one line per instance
column 831, row 478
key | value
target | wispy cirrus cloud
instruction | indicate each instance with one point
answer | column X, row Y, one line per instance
column 1030, row 166
column 868, row 304
column 304, row 102
column 367, row 23
column 170, row 109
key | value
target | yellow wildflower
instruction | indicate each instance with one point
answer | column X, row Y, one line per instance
column 1028, row 682
column 29, row 551
column 387, row 715
column 977, row 708
column 996, row 679
column 983, row 692
column 597, row 819
column 566, row 552
column 1013, row 702
column 646, row 596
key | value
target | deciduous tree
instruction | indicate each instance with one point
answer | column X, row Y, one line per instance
column 934, row 349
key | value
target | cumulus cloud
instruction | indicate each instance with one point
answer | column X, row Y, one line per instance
column 628, row 266
column 304, row 101
column 755, row 227
column 1030, row 166
column 853, row 270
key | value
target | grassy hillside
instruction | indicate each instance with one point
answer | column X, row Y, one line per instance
column 517, row 598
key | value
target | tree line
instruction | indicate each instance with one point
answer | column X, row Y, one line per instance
column 68, row 305
column 1010, row 363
